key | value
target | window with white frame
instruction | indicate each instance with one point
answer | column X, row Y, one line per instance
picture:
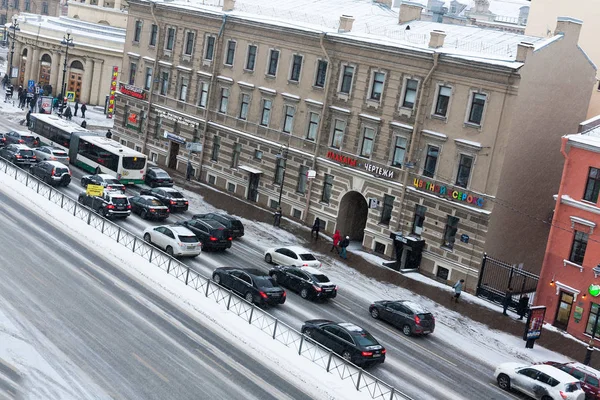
column 443, row 100
column 265, row 116
column 578, row 247
column 244, row 106
column 214, row 154
column 464, row 170
column 170, row 42
column 251, row 57
column 153, row 35
column 399, row 151
column 313, row 125
column 327, row 186
column 592, row 187
column 132, row 70
column 339, row 126
column 209, row 48
column 296, row 68
column 410, row 93
column 280, row 165
column 450, row 232
column 288, row 118
column 164, row 83
column 377, row 86
column 203, row 93
column 346, row 78
column 273, row 62
column 431, row 159
column 235, row 156
column 388, row 207
column 368, row 137
column 137, row 33
column 189, row 43
column 183, row 88
column 302, row 179
column 476, row 109
column 230, row 52
column 321, row 73
column 224, row 101
column 148, row 79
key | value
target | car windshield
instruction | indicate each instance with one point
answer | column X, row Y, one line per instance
column 321, row 278
column 220, row 233
column 365, row 339
column 307, row 257
column 59, row 153
column 27, row 153
column 60, row 171
column 155, row 202
column 188, row 239
column 161, row 174
column 176, row 195
column 264, row 282
column 119, row 200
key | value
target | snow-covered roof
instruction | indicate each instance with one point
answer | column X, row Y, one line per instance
column 590, row 137
column 506, row 8
column 374, row 23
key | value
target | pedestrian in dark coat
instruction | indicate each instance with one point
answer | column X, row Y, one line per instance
column 4, row 81
column 109, row 134
column 76, row 108
column 336, row 241
column 507, row 300
column 277, row 217
column 83, row 109
column 343, row 245
column 28, row 117
column 523, row 306
column 315, row 228
column 83, row 124
column 68, row 113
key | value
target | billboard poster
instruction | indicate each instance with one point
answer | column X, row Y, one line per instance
column 111, row 97
column 46, row 105
column 535, row 321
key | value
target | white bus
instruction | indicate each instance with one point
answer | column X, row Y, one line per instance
column 98, row 154
column 54, row 131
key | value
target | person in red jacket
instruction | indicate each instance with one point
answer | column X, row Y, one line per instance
column 336, row 241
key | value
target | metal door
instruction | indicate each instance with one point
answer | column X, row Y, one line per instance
column 253, row 187
column 563, row 311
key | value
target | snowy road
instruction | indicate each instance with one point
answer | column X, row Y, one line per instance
column 117, row 339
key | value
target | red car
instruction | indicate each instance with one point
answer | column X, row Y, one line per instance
column 589, row 377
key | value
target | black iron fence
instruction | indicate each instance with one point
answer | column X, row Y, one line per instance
column 305, row 347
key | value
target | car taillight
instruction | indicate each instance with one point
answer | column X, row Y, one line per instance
column 129, row 206
column 229, row 238
column 151, row 210
column 33, row 156
column 110, row 206
column 53, row 158
column 263, row 295
column 284, row 293
column 383, row 351
column 563, row 394
column 417, row 320
column 18, row 156
column 173, row 202
column 367, row 353
column 317, row 288
column 336, row 288
column 213, row 239
column 68, row 159
column 109, row 187
column 21, row 141
column 35, row 142
column 52, row 173
column 186, row 203
column 305, row 265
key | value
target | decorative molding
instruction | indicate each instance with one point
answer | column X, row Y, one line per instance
column 584, row 222
column 572, row 264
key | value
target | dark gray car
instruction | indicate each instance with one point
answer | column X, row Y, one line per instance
column 407, row 315
column 19, row 154
column 18, row 137
column 52, row 172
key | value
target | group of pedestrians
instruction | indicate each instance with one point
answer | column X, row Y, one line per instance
column 339, row 244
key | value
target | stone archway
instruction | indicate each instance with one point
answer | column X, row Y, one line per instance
column 352, row 215
column 75, row 78
column 45, row 70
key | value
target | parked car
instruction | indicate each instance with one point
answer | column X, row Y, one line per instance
column 49, row 153
column 291, row 255
column 18, row 154
column 149, row 207
column 108, row 181
column 309, row 282
column 252, row 284
column 175, row 240
column 2, row 140
column 157, row 177
column 170, row 197
column 350, row 341
column 212, row 234
column 407, row 315
column 542, row 382
column 589, row 377
column 232, row 223
column 110, row 204
column 21, row 137
column 52, row 172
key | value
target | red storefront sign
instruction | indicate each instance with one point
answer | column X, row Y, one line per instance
column 113, row 88
column 132, row 91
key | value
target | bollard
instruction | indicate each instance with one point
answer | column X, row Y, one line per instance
column 329, row 361
column 118, row 234
column 134, row 243
column 275, row 328
column 207, row 287
column 169, row 266
column 187, row 276
column 151, row 249
column 301, row 343
column 251, row 313
column 229, row 300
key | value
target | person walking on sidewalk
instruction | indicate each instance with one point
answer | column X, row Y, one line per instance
column 336, row 241
column 315, row 228
column 4, row 81
column 458, row 287
column 76, row 108
column 523, row 306
column 507, row 300
column 343, row 245
column 277, row 217
column 83, row 109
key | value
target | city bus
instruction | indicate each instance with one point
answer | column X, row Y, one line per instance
column 98, row 154
column 54, row 131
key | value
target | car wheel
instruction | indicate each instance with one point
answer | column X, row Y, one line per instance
column 217, row 279
column 83, row 182
column 170, row 251
column 98, row 171
column 375, row 313
column 304, row 293
column 346, row 355
column 106, row 214
column 147, row 238
column 274, row 277
column 406, row 330
column 80, row 199
column 46, row 179
column 249, row 298
column 268, row 258
column 503, row 382
column 144, row 214
column 152, row 184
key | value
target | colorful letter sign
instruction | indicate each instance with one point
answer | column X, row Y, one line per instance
column 444, row 191
column 113, row 88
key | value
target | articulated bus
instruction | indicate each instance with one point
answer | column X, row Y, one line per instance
column 89, row 150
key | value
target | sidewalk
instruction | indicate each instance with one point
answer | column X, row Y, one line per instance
column 470, row 306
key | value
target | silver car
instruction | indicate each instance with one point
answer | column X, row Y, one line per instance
column 49, row 153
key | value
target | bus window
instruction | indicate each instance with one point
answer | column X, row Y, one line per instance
column 134, row 162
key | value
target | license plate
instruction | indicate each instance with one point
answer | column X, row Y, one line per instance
column 376, row 355
column 191, row 247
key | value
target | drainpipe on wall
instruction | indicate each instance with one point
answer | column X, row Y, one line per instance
column 154, row 73
column 213, row 80
column 416, row 129
column 318, row 138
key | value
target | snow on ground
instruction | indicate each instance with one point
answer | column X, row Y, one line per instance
column 301, row 372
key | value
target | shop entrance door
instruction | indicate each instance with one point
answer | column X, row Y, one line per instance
column 253, row 187
column 172, row 163
column 352, row 215
column 563, row 312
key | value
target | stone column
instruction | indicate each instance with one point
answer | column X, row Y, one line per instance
column 118, row 4
column 88, row 78
column 29, row 65
column 17, row 57
column 35, row 67
column 54, row 72
column 59, row 75
column 96, row 92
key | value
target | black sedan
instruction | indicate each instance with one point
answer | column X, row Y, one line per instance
column 309, row 282
column 108, row 181
column 158, row 177
column 19, row 154
column 350, row 341
column 149, row 207
column 170, row 197
column 212, row 234
column 234, row 224
column 409, row 316
column 254, row 285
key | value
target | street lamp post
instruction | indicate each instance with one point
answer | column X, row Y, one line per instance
column 283, row 153
column 15, row 28
column 67, row 42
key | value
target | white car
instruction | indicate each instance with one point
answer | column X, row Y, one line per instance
column 542, row 382
column 175, row 240
column 291, row 255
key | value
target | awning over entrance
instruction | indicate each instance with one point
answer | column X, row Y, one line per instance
column 250, row 169
column 561, row 286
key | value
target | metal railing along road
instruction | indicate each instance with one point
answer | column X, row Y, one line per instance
column 253, row 315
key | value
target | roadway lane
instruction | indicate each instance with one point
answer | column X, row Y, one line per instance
column 97, row 325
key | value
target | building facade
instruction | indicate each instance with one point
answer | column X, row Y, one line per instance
column 407, row 139
column 569, row 284
column 542, row 15
column 8, row 8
